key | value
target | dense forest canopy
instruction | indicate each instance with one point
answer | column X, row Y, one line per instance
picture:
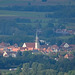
column 34, row 64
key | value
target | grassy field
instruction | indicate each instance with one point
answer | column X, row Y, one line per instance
column 36, row 18
column 24, row 13
column 65, row 37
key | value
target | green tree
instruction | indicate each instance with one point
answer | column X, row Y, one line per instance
column 71, row 72
column 40, row 67
column 19, row 53
column 27, row 53
column 61, row 73
column 50, row 25
column 18, row 70
column 51, row 72
column 0, row 73
column 65, row 73
column 35, row 68
column 9, row 73
column 43, row 72
column 47, row 32
column 44, row 0
column 25, row 69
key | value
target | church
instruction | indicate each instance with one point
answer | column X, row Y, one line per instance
column 34, row 46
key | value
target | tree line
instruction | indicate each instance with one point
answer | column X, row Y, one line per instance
column 43, row 64
column 11, row 32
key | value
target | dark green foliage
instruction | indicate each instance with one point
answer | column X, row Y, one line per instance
column 37, row 65
column 44, row 0
column 51, row 72
column 0, row 73
column 34, row 68
column 25, row 69
column 8, row 73
column 19, row 20
column 47, row 32
column 7, row 27
column 18, row 31
column 61, row 73
column 60, row 8
column 44, row 61
column 18, row 70
column 71, row 40
column 19, row 53
column 65, row 65
column 71, row 72
column 27, row 56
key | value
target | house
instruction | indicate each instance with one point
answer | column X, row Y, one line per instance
column 12, row 48
column 29, row 46
column 16, row 49
column 33, row 46
column 71, row 32
column 4, row 44
column 72, row 47
column 37, row 45
column 1, row 48
column 49, row 50
column 15, row 45
column 62, row 31
column 69, row 56
column 55, row 48
column 7, row 54
column 23, row 49
column 65, row 47
column 13, row 54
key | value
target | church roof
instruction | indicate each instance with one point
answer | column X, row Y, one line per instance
column 31, row 45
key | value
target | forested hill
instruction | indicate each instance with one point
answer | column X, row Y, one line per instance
column 19, row 20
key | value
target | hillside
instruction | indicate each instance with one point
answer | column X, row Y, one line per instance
column 19, row 19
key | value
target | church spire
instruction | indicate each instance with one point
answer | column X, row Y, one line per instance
column 37, row 45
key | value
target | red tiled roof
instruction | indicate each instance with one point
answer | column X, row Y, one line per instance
column 62, row 44
column 55, row 46
column 23, row 49
column 31, row 45
column 72, row 45
column 70, row 55
column 1, row 49
column 16, row 49
column 4, row 44
column 11, row 47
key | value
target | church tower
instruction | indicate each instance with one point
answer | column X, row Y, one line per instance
column 37, row 44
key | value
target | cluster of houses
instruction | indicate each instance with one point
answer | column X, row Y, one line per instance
column 7, row 50
column 65, row 31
